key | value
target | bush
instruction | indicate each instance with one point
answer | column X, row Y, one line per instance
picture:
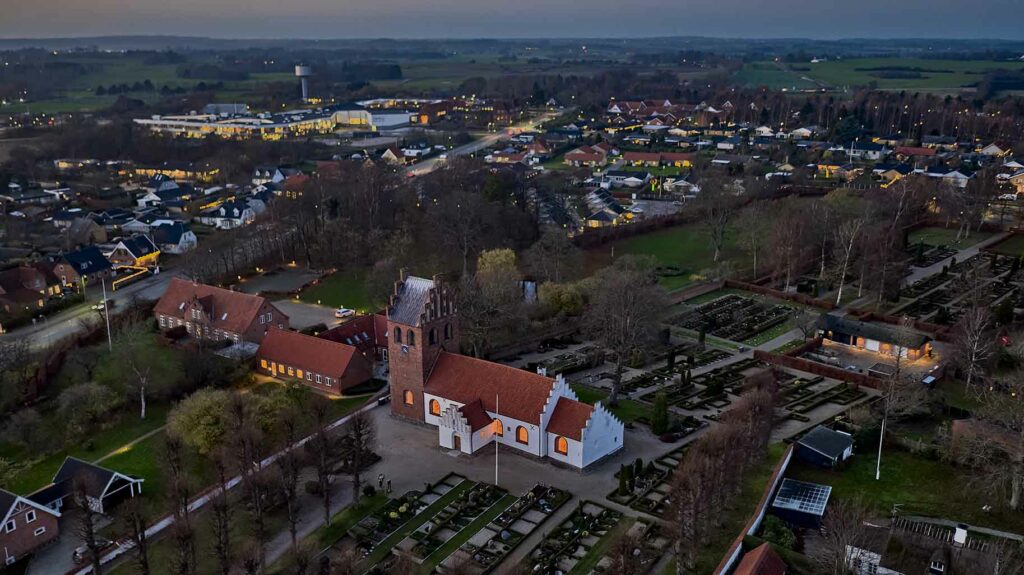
column 86, row 406
column 368, row 490
column 659, row 414
column 775, row 530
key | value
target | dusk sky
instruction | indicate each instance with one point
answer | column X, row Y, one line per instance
column 521, row 18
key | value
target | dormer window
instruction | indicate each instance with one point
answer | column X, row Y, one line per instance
column 937, row 568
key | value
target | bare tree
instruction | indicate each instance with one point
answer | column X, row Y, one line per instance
column 900, row 392
column 974, row 342
column 842, row 528
column 752, row 227
column 554, row 257
column 322, row 453
column 846, row 239
column 625, row 556
column 624, row 313
column 87, row 524
column 717, row 205
column 357, row 447
column 133, row 516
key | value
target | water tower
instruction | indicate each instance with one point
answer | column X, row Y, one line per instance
column 303, row 73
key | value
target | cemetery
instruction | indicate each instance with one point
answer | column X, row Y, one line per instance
column 576, row 540
column 734, row 317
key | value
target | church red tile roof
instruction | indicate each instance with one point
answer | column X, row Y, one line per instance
column 310, row 353
column 228, row 310
column 475, row 415
column 522, row 394
column 761, row 561
column 569, row 418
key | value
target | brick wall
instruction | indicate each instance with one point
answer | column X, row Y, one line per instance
column 818, row 368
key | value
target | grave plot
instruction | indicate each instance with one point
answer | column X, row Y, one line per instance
column 710, row 389
column 922, row 256
column 572, row 361
column 803, row 396
column 734, row 317
column 376, row 535
column 576, row 539
column 652, row 544
column 487, row 547
column 452, row 522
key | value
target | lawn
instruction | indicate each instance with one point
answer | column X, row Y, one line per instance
column 936, row 236
column 127, row 428
column 627, row 410
column 918, row 485
column 1012, row 246
column 734, row 518
column 342, row 289
column 687, row 247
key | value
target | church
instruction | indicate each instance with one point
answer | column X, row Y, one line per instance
column 473, row 402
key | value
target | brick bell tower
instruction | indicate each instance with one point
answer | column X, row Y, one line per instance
column 422, row 322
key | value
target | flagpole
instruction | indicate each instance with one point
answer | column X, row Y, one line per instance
column 497, row 422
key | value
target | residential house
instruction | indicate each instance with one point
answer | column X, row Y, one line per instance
column 474, row 403
column 228, row 216
column 85, row 231
column 136, row 251
column 217, row 314
column 586, row 156
column 103, row 488
column 367, row 333
column 646, row 159
column 27, row 287
column 17, row 194
column 995, row 150
column 145, row 222
column 325, row 365
column 174, row 238
column 904, row 153
column 25, row 526
column 944, row 143
column 880, row 338
column 81, row 266
column 1017, row 181
column 912, row 547
column 627, row 178
column 867, row 151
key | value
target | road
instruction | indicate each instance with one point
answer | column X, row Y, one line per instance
column 69, row 322
column 431, row 164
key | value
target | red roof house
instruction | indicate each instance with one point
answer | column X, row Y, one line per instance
column 213, row 313
column 320, row 363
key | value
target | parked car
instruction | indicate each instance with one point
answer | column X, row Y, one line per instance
column 343, row 312
column 81, row 554
column 103, row 305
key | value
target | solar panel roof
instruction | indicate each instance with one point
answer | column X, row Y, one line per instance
column 802, row 497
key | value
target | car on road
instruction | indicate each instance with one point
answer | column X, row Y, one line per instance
column 343, row 312
column 103, row 305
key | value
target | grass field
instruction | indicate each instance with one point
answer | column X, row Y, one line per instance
column 688, row 247
column 936, row 236
column 1012, row 246
column 919, row 485
column 627, row 410
column 127, row 428
column 769, row 74
column 342, row 289
column 929, row 75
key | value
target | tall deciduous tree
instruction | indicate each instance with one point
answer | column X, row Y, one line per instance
column 624, row 311
column 554, row 257
column 141, row 363
column 717, row 205
column 357, row 448
column 322, row 452
column 974, row 342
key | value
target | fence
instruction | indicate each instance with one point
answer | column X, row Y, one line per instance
column 695, row 291
column 816, row 368
column 736, row 549
column 793, row 297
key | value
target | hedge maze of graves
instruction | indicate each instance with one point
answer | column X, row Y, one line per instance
column 941, row 298
column 734, row 317
column 799, row 396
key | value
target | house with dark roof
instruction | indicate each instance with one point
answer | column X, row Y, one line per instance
column 136, row 251
column 824, row 447
column 325, row 365
column 881, row 338
column 81, row 266
column 27, row 287
column 174, row 238
column 25, row 526
column 475, row 403
column 912, row 547
column 103, row 488
column 217, row 314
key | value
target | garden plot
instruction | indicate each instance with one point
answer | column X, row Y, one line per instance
column 734, row 317
column 638, row 485
column 575, row 540
column 711, row 389
column 922, row 256
column 586, row 357
column 485, row 549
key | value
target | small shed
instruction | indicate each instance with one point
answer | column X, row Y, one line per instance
column 800, row 503
column 824, row 447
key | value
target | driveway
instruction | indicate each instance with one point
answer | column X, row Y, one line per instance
column 302, row 315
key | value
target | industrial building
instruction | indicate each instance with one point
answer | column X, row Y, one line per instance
column 281, row 125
